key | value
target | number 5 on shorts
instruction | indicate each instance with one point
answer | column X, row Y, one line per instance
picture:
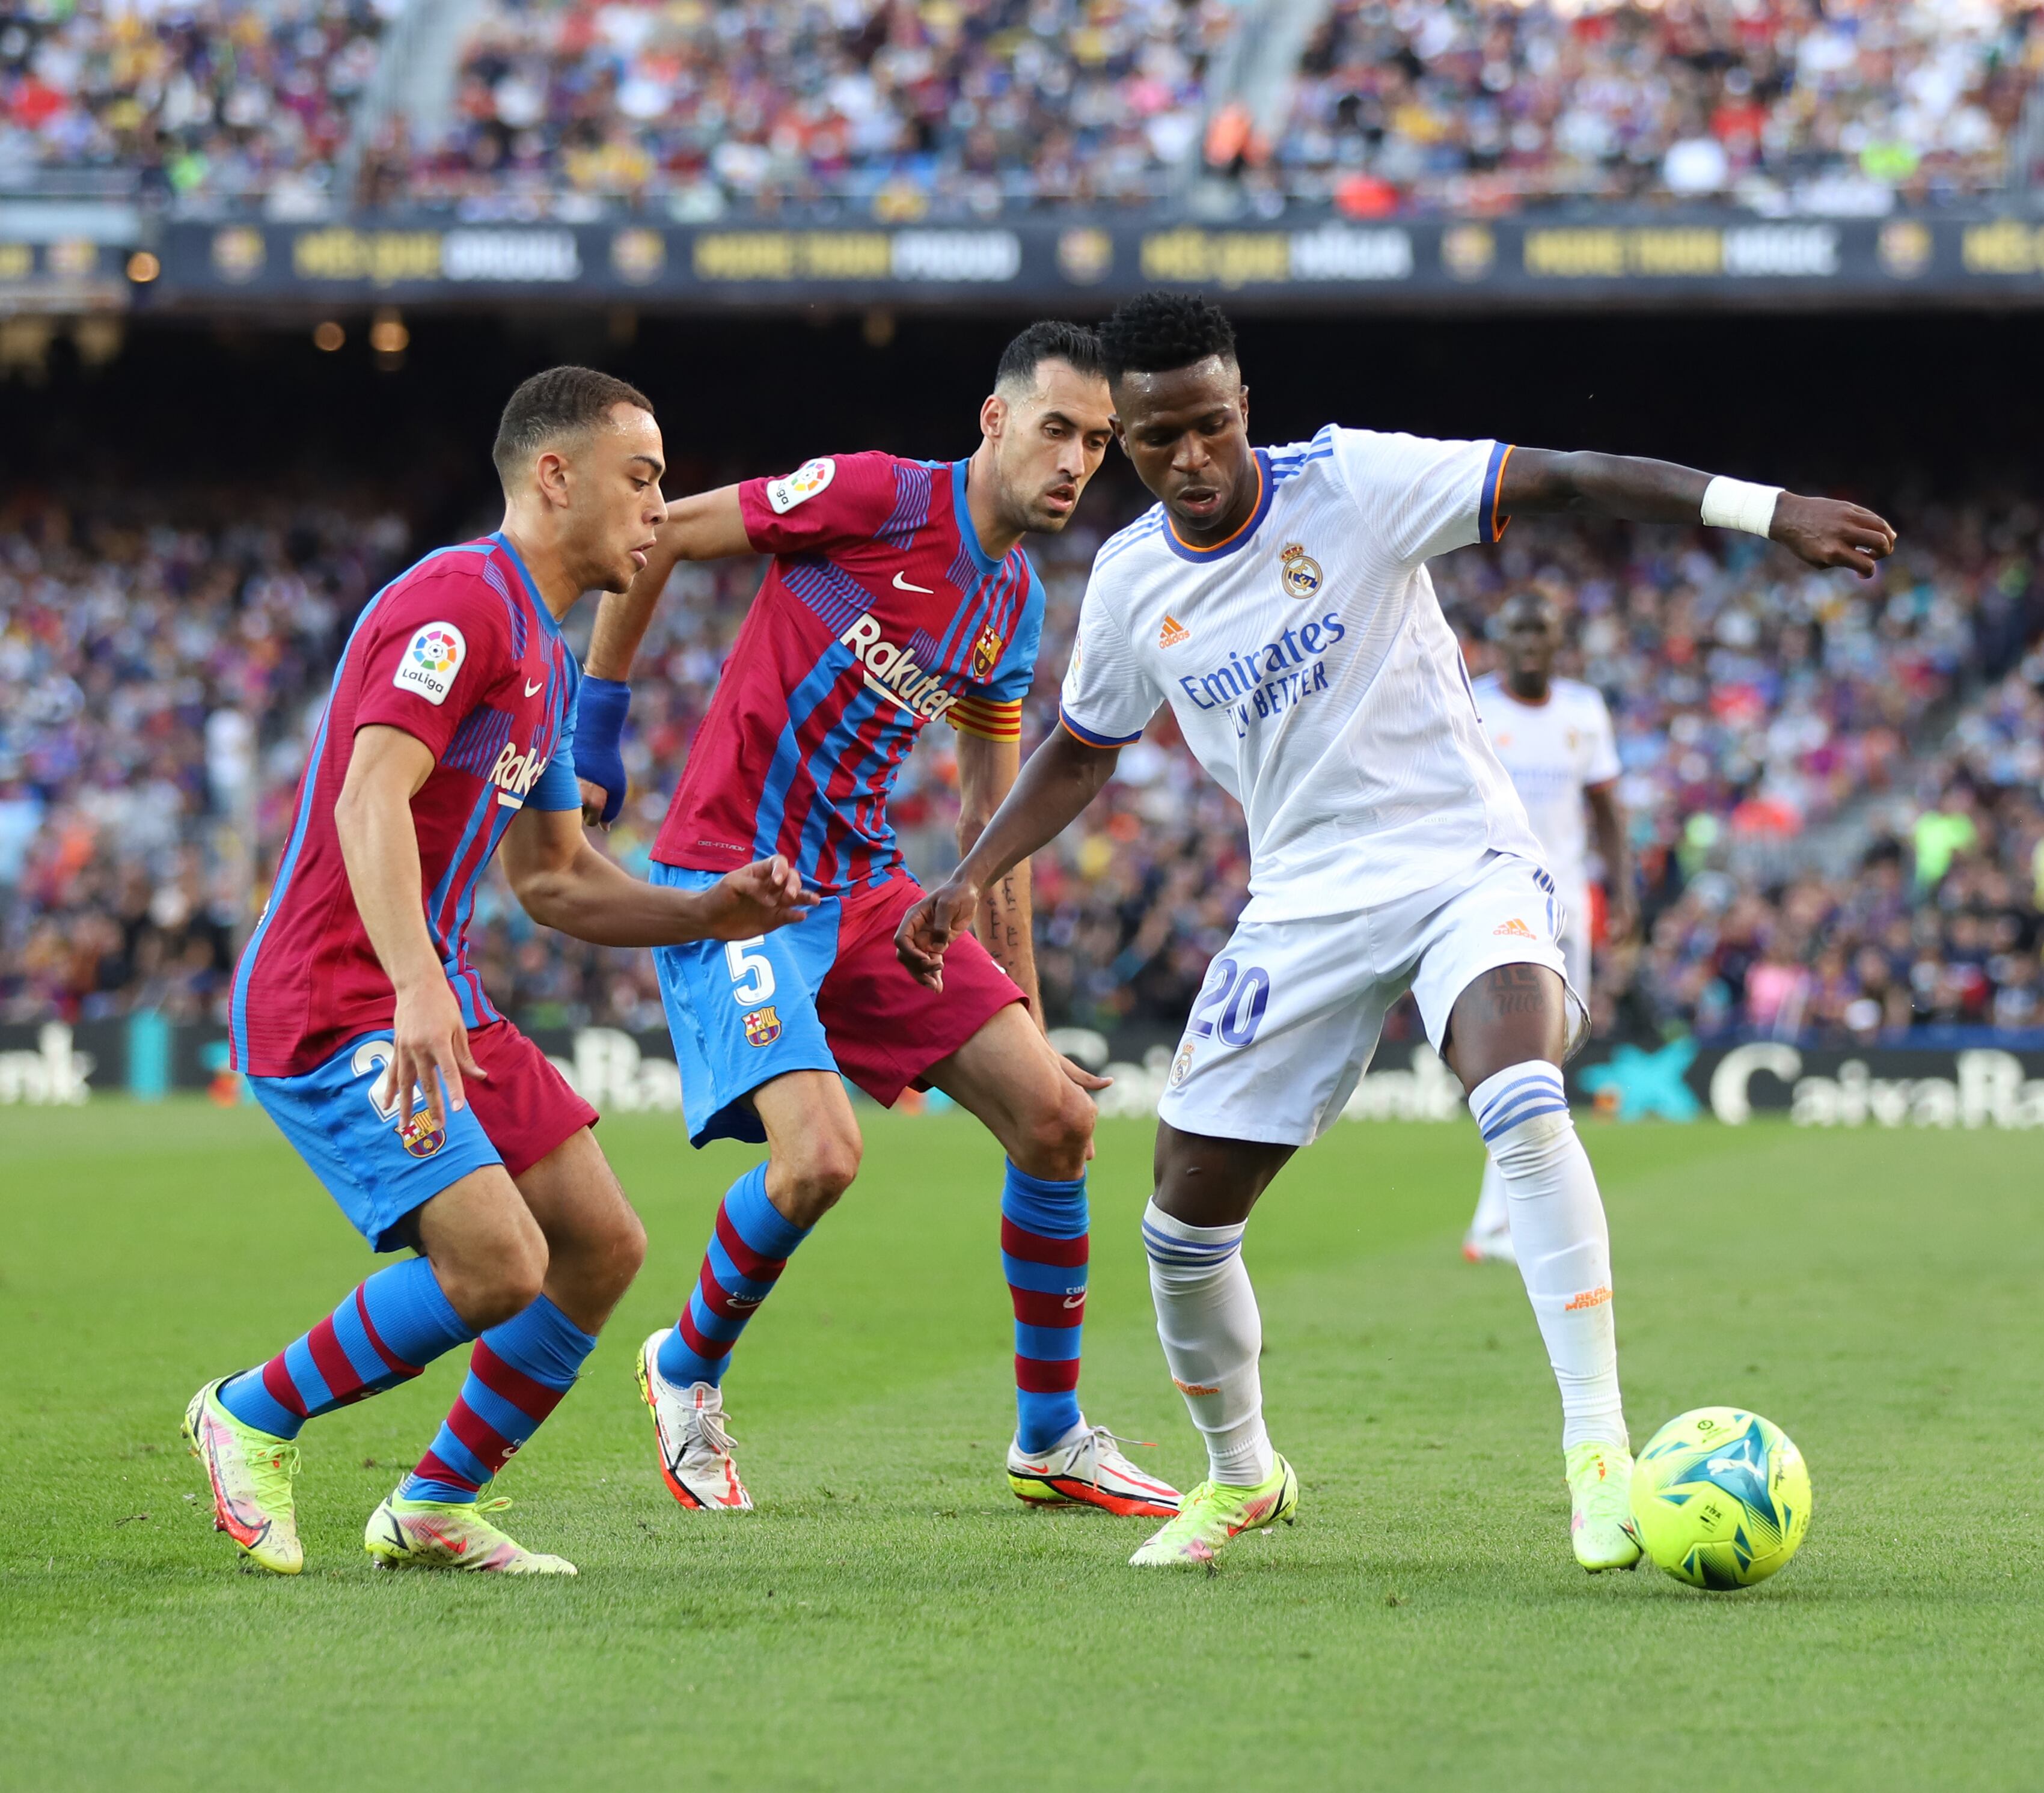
column 751, row 973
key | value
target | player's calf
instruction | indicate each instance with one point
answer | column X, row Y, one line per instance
column 523, row 1365
column 1564, row 1250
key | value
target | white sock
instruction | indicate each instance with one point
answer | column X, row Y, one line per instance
column 1212, row 1334
column 1493, row 1213
column 1559, row 1233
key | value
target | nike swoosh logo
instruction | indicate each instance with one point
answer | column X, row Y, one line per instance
column 902, row 584
column 533, row 691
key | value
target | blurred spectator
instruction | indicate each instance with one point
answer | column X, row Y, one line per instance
column 898, row 107
column 209, row 98
column 1484, row 105
column 1474, row 105
column 126, row 650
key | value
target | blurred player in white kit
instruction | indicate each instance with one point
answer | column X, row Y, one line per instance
column 1555, row 739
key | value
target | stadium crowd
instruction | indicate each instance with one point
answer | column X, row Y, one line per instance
column 1486, row 104
column 891, row 105
column 971, row 105
column 1836, row 789
column 211, row 99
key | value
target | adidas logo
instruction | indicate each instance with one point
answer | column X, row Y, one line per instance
column 1173, row 633
column 1514, row 929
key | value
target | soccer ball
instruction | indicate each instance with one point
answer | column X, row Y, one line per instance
column 1722, row 1497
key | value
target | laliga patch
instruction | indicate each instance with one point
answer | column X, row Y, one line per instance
column 428, row 665
column 806, row 481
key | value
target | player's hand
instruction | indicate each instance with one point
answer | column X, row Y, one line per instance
column 754, row 900
column 430, row 1050
column 1621, row 916
column 1829, row 532
column 927, row 930
column 595, row 801
column 1089, row 1081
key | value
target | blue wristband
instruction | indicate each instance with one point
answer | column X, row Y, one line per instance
column 599, row 737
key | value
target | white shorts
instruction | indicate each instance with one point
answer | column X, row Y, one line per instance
column 1290, row 1012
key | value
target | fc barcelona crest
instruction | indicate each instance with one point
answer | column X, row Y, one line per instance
column 1298, row 572
column 420, row 1136
column 762, row 1025
column 986, row 652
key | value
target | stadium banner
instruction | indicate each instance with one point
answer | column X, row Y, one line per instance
column 1686, row 257
column 55, row 1064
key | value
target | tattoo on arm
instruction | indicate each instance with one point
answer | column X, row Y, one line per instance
column 1005, row 928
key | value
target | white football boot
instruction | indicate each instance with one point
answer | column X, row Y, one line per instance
column 695, row 1449
column 1087, row 1470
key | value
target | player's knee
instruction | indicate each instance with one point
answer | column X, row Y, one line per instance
column 806, row 1186
column 1054, row 1142
column 621, row 1252
column 487, row 1294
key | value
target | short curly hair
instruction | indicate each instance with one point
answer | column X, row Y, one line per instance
column 561, row 401
column 1157, row 330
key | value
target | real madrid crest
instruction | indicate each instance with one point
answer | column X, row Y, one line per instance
column 1298, row 572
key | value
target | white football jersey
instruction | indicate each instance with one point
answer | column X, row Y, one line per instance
column 1311, row 670
column 1553, row 751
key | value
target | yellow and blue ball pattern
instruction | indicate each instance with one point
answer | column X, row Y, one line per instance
column 1722, row 1497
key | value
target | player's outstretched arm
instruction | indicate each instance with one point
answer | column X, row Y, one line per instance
column 707, row 526
column 563, row 882
column 1824, row 531
column 1060, row 779
column 380, row 848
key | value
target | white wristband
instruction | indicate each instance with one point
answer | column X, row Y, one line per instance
column 1734, row 503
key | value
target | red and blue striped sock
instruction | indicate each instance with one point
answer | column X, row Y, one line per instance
column 748, row 1250
column 387, row 1331
column 1043, row 1252
column 516, row 1376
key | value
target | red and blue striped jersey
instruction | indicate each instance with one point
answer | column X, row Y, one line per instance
column 879, row 614
column 460, row 653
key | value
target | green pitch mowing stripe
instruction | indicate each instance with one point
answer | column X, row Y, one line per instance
column 892, row 1619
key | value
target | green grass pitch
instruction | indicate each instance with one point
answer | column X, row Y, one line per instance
column 892, row 1617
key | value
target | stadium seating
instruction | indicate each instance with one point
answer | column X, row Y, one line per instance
column 976, row 104
column 1475, row 105
column 1776, row 103
column 218, row 100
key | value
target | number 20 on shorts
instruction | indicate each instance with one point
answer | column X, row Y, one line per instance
column 1238, row 995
